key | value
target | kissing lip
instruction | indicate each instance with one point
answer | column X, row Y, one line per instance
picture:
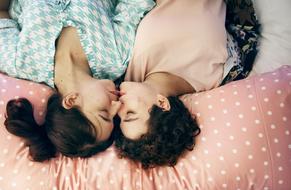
column 113, row 95
column 117, row 93
column 114, row 92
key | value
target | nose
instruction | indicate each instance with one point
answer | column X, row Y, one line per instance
column 108, row 84
column 124, row 85
column 115, row 106
column 113, row 96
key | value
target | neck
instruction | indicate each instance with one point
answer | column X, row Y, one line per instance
column 69, row 73
column 167, row 84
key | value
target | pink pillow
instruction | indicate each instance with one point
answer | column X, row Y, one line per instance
column 16, row 171
column 245, row 144
column 245, row 141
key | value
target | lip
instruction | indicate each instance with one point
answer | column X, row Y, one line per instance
column 114, row 92
column 117, row 93
column 113, row 95
column 121, row 93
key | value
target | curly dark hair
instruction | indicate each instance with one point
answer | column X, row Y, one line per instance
column 65, row 131
column 170, row 134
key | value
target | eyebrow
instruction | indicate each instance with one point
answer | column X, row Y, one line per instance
column 129, row 120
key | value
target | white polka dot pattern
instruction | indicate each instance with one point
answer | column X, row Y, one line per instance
column 16, row 171
column 245, row 144
column 252, row 121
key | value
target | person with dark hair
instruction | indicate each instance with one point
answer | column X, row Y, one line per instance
column 78, row 48
column 165, row 136
column 181, row 47
column 186, row 55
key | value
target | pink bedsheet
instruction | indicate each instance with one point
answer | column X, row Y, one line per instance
column 245, row 144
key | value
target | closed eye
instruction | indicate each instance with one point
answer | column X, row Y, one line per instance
column 130, row 116
column 104, row 115
column 105, row 118
column 130, row 113
column 129, row 120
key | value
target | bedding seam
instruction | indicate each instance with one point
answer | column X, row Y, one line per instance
column 265, row 131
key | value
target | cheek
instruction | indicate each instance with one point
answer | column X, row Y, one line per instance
column 106, row 132
column 132, row 103
column 102, row 100
column 127, row 104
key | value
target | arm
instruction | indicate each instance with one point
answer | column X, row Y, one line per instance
column 130, row 12
column 4, row 5
column 9, row 33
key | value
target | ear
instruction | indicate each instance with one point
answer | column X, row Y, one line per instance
column 163, row 102
column 70, row 100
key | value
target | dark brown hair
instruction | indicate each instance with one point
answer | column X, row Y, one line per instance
column 65, row 131
column 169, row 135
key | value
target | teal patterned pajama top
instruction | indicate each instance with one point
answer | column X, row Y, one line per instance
column 106, row 29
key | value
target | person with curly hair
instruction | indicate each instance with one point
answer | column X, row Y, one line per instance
column 186, row 54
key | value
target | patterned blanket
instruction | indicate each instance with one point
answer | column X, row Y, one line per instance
column 243, row 25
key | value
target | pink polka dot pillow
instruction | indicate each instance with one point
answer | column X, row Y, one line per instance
column 245, row 143
column 16, row 171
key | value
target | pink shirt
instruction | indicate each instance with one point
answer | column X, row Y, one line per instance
column 183, row 37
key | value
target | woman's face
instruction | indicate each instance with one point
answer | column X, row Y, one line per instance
column 98, row 102
column 136, row 102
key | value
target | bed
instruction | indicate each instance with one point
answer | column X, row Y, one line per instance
column 245, row 141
